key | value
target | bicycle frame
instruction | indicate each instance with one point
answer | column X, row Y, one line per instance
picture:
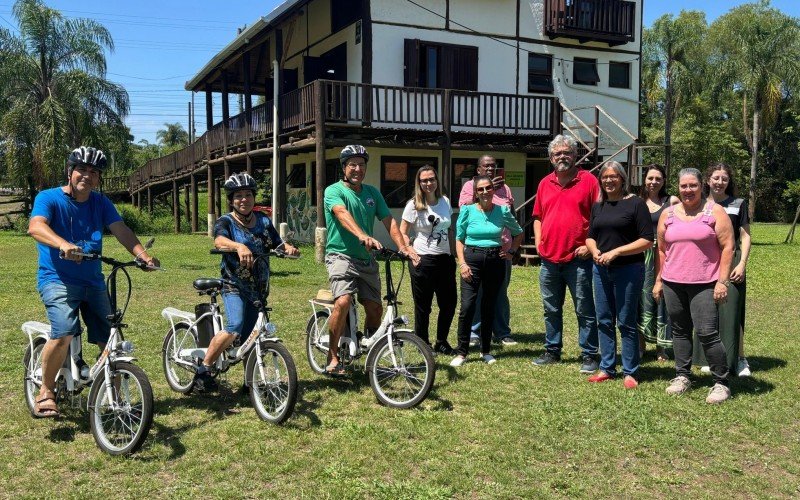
column 386, row 328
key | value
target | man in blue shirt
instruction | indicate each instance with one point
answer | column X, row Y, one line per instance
column 65, row 222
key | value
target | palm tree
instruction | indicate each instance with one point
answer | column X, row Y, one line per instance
column 172, row 136
column 53, row 90
column 672, row 55
column 757, row 51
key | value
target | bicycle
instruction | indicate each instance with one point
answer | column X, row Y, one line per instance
column 270, row 372
column 120, row 402
column 399, row 364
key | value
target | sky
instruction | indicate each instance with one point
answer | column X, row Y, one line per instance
column 159, row 45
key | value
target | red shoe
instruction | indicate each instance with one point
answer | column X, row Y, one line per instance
column 600, row 376
column 630, row 382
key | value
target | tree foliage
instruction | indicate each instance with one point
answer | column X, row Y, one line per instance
column 54, row 94
column 173, row 136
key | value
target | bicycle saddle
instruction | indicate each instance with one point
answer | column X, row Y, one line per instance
column 204, row 284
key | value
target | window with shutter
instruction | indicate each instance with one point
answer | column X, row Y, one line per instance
column 439, row 65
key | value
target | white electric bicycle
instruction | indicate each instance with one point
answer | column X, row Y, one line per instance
column 270, row 372
column 120, row 401
column 399, row 364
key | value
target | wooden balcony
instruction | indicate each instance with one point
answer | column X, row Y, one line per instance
column 359, row 107
column 609, row 21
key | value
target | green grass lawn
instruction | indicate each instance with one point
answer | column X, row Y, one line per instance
column 507, row 430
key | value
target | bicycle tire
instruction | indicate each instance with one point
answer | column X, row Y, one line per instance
column 317, row 354
column 30, row 387
column 121, row 431
column 408, row 383
column 179, row 378
column 274, row 397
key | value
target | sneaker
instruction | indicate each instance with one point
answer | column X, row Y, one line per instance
column 629, row 382
column 705, row 369
column 474, row 340
column 679, row 385
column 488, row 359
column 718, row 394
column 548, row 358
column 743, row 368
column 507, row 341
column 204, row 382
column 443, row 348
column 458, row 361
column 600, row 376
column 589, row 365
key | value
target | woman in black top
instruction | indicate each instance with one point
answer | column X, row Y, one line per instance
column 722, row 188
column 619, row 232
column 653, row 322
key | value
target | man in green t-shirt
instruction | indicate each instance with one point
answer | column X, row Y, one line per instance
column 350, row 211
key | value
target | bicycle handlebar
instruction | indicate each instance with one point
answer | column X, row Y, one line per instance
column 392, row 254
column 274, row 252
column 113, row 262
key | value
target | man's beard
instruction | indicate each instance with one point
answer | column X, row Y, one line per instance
column 563, row 166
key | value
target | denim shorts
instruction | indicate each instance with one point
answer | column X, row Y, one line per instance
column 63, row 302
column 240, row 314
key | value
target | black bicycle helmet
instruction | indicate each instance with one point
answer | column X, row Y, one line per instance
column 351, row 151
column 87, row 156
column 240, row 181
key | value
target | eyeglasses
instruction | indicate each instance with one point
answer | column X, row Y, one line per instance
column 485, row 189
column 430, row 180
column 362, row 166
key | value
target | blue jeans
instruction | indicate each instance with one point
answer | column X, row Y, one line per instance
column 616, row 299
column 553, row 282
column 63, row 303
column 502, row 310
column 240, row 315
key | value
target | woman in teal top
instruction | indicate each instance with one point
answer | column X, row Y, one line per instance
column 480, row 258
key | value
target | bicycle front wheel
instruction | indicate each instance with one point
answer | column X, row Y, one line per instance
column 401, row 374
column 121, row 410
column 272, row 379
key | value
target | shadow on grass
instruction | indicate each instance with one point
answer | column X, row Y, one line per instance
column 764, row 363
column 274, row 273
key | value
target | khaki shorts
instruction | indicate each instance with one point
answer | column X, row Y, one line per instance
column 353, row 276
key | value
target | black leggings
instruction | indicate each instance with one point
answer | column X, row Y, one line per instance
column 691, row 307
column 435, row 275
column 488, row 270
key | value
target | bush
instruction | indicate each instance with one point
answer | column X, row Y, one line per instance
column 20, row 224
column 146, row 223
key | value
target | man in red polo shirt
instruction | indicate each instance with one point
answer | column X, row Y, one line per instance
column 561, row 223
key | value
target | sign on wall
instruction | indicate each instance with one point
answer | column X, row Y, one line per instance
column 515, row 179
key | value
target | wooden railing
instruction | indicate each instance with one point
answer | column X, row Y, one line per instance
column 363, row 104
column 610, row 21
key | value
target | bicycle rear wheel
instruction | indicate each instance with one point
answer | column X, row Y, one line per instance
column 180, row 339
column 405, row 381
column 273, row 382
column 317, row 349
column 33, row 373
column 120, row 423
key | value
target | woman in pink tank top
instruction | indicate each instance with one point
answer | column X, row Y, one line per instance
column 695, row 249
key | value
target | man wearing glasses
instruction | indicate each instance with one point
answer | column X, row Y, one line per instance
column 561, row 216
column 501, row 329
column 350, row 211
column 65, row 222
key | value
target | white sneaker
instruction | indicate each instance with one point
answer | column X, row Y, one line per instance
column 743, row 368
column 458, row 361
column 474, row 340
column 488, row 359
column 678, row 385
column 705, row 369
column 718, row 394
column 508, row 341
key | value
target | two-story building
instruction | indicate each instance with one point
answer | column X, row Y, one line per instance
column 417, row 82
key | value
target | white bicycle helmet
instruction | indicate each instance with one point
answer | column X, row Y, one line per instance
column 87, row 156
column 351, row 151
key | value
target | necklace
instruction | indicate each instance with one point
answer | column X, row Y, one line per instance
column 243, row 221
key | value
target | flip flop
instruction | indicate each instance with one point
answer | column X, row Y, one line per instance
column 45, row 409
column 336, row 370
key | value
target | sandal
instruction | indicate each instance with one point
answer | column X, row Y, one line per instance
column 46, row 408
column 336, row 370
